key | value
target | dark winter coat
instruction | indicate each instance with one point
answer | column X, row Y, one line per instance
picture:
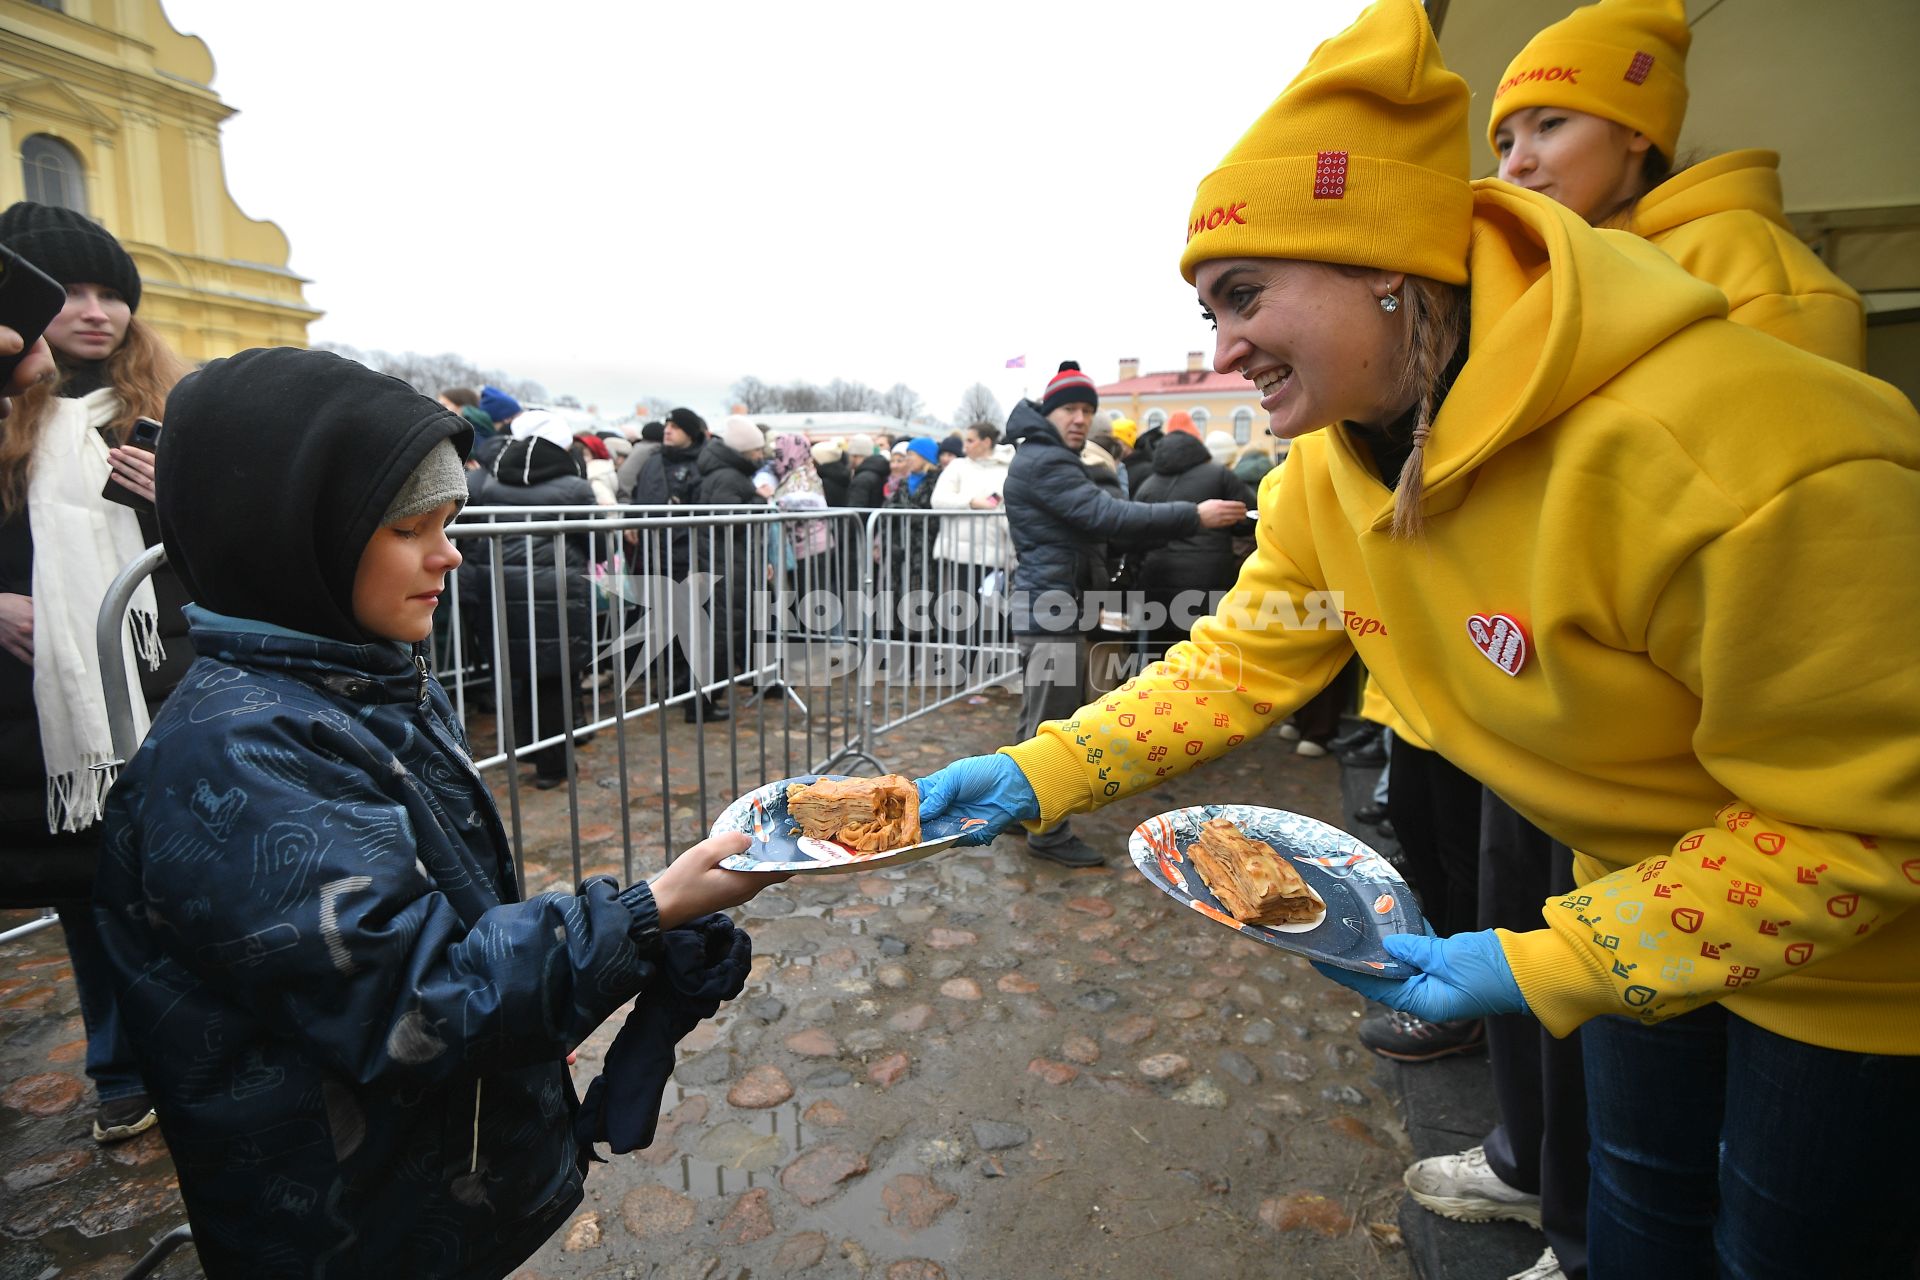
column 534, row 473
column 355, row 1034
column 1139, row 462
column 671, row 477
column 835, row 476
column 1061, row 517
column 726, row 476
column 628, row 477
column 867, row 488
column 736, row 554
column 1203, row 560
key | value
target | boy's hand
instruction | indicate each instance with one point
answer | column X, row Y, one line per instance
column 696, row 885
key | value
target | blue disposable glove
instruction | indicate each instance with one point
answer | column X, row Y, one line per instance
column 990, row 787
column 1465, row 976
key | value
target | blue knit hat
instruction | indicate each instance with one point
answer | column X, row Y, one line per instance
column 498, row 405
column 926, row 448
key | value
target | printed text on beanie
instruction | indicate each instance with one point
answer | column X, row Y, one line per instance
column 1621, row 60
column 1361, row 161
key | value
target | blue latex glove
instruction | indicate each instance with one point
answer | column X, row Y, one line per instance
column 1465, row 976
column 990, row 787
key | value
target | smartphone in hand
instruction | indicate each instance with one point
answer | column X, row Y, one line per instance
column 145, row 435
column 29, row 300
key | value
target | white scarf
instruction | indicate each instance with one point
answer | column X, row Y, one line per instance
column 80, row 543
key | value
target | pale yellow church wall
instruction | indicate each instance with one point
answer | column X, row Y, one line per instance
column 129, row 95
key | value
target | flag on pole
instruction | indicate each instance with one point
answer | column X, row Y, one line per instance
column 1018, row 362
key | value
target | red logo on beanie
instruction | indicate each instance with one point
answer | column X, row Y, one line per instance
column 1638, row 69
column 1330, row 176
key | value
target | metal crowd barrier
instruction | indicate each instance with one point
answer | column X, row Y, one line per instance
column 942, row 625
column 598, row 643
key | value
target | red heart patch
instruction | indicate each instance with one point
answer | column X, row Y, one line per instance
column 1500, row 640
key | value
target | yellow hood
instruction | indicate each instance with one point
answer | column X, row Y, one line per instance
column 1722, row 220
column 1747, row 180
column 1541, row 342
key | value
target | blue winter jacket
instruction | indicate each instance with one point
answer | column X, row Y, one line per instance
column 354, row 1030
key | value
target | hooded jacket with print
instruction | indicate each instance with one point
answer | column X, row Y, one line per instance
column 1723, row 220
column 353, row 1029
column 1668, row 511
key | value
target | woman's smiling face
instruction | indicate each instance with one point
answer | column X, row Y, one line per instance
column 1312, row 337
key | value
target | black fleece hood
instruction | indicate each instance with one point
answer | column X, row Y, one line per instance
column 1179, row 452
column 272, row 473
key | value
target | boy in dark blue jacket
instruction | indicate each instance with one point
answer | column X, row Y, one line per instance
column 354, row 1032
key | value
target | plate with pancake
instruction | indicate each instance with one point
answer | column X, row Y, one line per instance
column 826, row 824
column 1281, row 878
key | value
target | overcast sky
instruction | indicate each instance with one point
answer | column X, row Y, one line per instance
column 621, row 200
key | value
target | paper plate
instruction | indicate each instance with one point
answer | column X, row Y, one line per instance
column 779, row 847
column 1366, row 898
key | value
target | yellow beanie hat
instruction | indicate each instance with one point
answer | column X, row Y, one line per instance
column 1621, row 60
column 1361, row 161
column 1125, row 430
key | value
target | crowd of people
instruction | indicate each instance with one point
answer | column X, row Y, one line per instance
column 1580, row 451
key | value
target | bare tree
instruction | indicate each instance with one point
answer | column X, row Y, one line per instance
column 901, row 401
column 851, row 397
column 757, row 396
column 977, row 405
column 804, row 397
column 430, row 375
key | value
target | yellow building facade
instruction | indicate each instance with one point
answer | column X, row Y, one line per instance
column 106, row 109
column 1215, row 401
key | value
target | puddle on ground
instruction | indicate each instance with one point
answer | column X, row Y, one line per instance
column 741, row 1152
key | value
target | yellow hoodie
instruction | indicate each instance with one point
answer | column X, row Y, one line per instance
column 1702, row 536
column 1722, row 220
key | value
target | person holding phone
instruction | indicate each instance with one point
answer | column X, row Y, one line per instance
column 35, row 365
column 75, row 508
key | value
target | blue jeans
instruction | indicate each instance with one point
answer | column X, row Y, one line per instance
column 1721, row 1149
column 110, row 1061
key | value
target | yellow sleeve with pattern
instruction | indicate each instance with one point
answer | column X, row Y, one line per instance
column 1277, row 639
column 1800, row 649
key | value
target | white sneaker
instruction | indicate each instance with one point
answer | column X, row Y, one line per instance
column 1288, row 732
column 1310, row 749
column 1547, row 1268
column 1463, row 1188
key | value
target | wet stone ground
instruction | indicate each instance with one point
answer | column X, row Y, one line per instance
column 981, row 1066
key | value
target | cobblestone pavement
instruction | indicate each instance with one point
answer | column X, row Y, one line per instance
column 981, row 1067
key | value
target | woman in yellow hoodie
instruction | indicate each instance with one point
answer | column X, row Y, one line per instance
column 1620, row 560
column 1600, row 138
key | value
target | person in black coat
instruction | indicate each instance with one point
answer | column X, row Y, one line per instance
column 537, row 470
column 867, row 487
column 1184, row 576
column 727, row 463
column 671, row 477
column 830, row 464
column 1061, row 517
column 1139, row 460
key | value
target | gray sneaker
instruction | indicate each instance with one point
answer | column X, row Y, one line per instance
column 1463, row 1188
column 1547, row 1267
column 123, row 1118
